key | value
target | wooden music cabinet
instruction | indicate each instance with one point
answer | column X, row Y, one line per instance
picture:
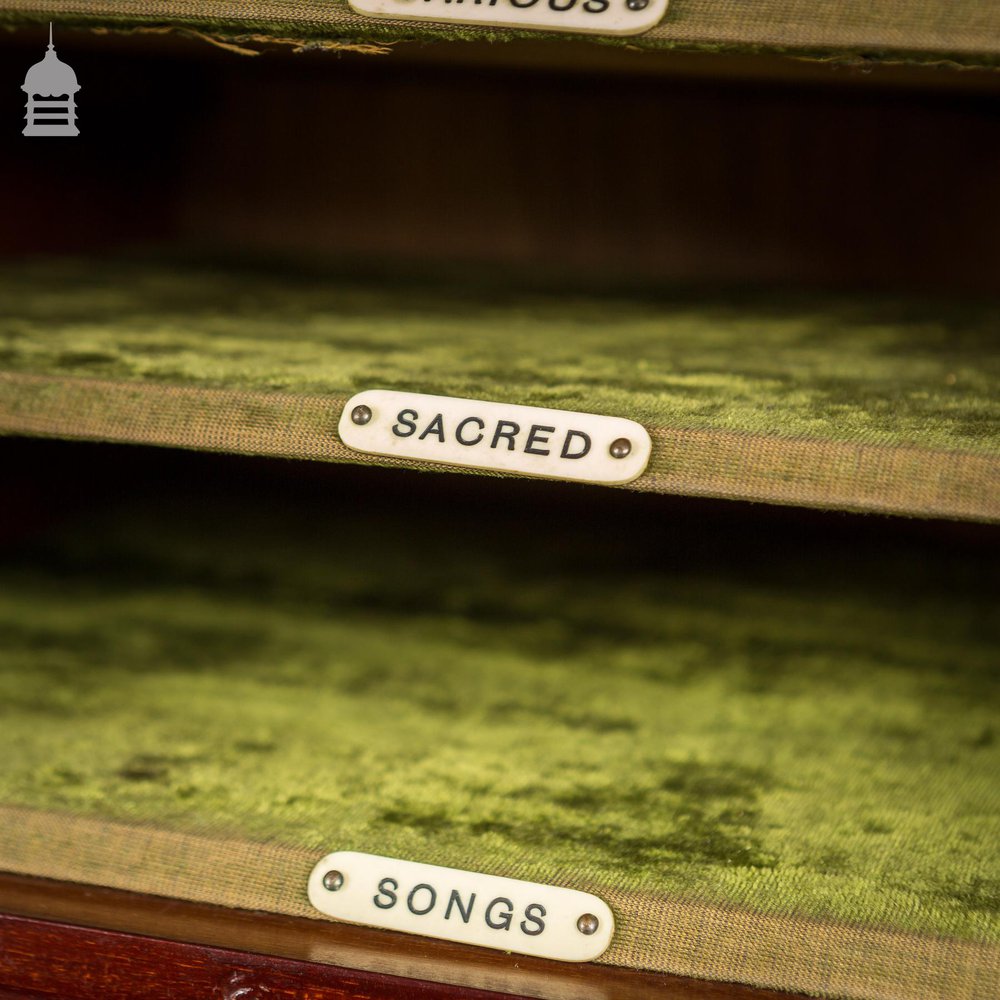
column 748, row 699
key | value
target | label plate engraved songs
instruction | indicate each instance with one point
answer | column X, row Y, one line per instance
column 597, row 17
column 486, row 910
column 504, row 437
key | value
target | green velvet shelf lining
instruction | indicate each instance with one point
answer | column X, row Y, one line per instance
column 776, row 756
column 864, row 404
column 961, row 31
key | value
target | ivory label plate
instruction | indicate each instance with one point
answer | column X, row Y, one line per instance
column 504, row 437
column 596, row 17
column 486, row 910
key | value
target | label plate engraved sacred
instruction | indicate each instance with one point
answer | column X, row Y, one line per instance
column 596, row 17
column 486, row 910
column 504, row 437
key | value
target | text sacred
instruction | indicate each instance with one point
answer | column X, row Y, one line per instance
column 471, row 431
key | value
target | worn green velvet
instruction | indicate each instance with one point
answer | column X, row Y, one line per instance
column 860, row 369
column 729, row 711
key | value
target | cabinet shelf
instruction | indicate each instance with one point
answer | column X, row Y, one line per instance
column 962, row 32
column 214, row 680
column 871, row 404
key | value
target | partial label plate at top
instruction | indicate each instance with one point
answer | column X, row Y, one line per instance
column 596, row 17
column 503, row 437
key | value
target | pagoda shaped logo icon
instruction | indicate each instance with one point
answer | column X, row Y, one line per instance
column 51, row 87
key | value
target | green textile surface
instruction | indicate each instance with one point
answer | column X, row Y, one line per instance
column 884, row 372
column 779, row 723
column 962, row 31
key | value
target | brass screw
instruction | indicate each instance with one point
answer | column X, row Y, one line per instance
column 333, row 881
column 620, row 448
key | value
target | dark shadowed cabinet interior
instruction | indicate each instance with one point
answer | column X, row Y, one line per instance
column 749, row 700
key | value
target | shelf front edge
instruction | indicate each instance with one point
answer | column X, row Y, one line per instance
column 686, row 938
column 839, row 475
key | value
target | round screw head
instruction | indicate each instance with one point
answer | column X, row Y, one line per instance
column 620, row 448
column 361, row 414
column 333, row 881
column 637, row 4
column 588, row 924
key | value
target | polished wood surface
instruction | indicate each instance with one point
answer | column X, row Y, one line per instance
column 51, row 959
column 94, row 934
